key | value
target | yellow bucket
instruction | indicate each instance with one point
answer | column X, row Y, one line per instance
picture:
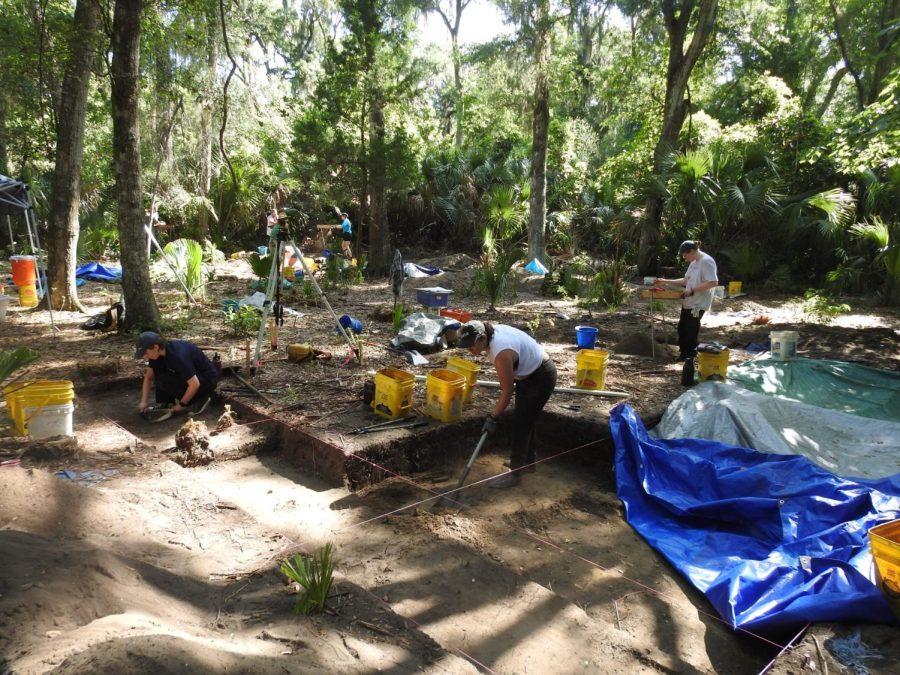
column 884, row 541
column 393, row 393
column 36, row 394
column 467, row 369
column 28, row 296
column 590, row 370
column 712, row 366
column 734, row 287
column 444, row 391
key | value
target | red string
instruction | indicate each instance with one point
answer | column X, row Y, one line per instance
column 526, row 532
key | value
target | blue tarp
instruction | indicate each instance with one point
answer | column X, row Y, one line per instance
column 97, row 272
column 772, row 541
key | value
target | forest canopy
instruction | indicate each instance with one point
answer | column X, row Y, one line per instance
column 768, row 129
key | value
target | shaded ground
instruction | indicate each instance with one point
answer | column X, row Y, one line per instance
column 161, row 568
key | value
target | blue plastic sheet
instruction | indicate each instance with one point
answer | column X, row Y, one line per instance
column 772, row 541
column 97, row 272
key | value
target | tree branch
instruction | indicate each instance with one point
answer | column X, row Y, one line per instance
column 234, row 67
column 845, row 54
column 706, row 21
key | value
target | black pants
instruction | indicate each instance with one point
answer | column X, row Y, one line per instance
column 170, row 388
column 688, row 333
column 531, row 397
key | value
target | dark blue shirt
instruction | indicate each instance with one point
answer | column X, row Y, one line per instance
column 185, row 359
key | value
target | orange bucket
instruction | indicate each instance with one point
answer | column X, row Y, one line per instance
column 23, row 270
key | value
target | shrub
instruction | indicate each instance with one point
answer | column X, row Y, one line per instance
column 186, row 255
column 493, row 276
column 315, row 575
column 242, row 322
column 822, row 308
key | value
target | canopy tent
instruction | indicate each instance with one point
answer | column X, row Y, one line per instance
column 15, row 199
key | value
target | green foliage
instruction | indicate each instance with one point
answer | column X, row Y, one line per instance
column 14, row 359
column 746, row 260
column 607, row 286
column 494, row 276
column 260, row 264
column 243, row 321
column 400, row 312
column 820, row 307
column 561, row 282
column 186, row 255
column 779, row 280
column 314, row 573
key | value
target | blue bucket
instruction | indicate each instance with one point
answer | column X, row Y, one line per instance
column 349, row 323
column 262, row 250
column 585, row 337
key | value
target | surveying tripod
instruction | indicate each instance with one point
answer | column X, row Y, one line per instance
column 273, row 293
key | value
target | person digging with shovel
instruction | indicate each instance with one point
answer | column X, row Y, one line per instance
column 522, row 367
column 183, row 377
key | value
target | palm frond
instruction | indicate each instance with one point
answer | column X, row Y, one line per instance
column 875, row 231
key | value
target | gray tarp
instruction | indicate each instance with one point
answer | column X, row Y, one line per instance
column 844, row 444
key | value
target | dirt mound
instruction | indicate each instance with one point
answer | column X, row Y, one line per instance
column 192, row 443
column 454, row 261
column 640, row 344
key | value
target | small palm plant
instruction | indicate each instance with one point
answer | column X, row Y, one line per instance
column 187, row 258
column 494, row 275
column 315, row 575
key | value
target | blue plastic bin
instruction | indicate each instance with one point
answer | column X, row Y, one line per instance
column 262, row 250
column 432, row 298
column 585, row 337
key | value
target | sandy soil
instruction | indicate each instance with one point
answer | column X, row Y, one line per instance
column 160, row 568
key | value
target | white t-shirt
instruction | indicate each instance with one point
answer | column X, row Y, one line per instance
column 530, row 353
column 700, row 271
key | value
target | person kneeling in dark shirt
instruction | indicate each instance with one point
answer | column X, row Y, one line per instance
column 183, row 377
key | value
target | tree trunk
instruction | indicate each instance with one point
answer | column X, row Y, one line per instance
column 65, row 200
column 537, row 203
column 206, row 112
column 4, row 147
column 379, row 230
column 680, row 64
column 886, row 56
column 457, row 81
column 364, row 189
column 141, row 312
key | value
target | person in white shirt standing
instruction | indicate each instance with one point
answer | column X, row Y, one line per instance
column 522, row 367
column 699, row 281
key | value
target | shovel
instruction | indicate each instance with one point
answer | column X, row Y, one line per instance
column 451, row 496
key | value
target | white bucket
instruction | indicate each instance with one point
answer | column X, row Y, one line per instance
column 49, row 420
column 649, row 281
column 4, row 301
column 784, row 344
column 719, row 292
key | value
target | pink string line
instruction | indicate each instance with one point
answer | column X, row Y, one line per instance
column 526, row 532
column 645, row 588
column 459, row 651
column 784, row 649
column 468, row 485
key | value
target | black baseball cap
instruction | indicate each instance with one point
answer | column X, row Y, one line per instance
column 146, row 340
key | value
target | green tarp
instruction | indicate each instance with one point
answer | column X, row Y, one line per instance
column 838, row 385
